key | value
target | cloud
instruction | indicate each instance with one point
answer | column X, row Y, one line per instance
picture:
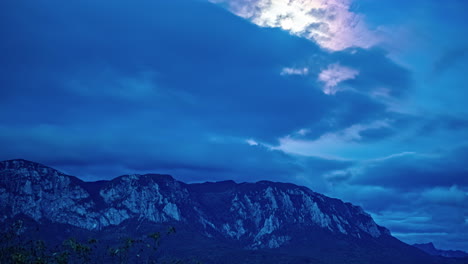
column 196, row 71
column 334, row 75
column 416, row 170
column 337, row 176
column 442, row 123
column 333, row 145
column 417, row 196
column 100, row 153
column 415, row 220
column 252, row 142
column 294, row 71
column 329, row 23
column 132, row 149
column 446, row 195
column 377, row 73
column 414, row 215
column 373, row 198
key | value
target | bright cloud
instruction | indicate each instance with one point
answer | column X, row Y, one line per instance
column 294, row 71
column 251, row 142
column 334, row 75
column 330, row 145
column 330, row 23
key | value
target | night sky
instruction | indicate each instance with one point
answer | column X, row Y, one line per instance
column 361, row 100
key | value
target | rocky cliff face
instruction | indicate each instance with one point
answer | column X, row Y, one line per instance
column 266, row 213
column 258, row 215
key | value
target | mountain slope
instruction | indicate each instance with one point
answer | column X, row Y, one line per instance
column 245, row 217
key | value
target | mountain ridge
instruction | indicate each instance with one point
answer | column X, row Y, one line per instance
column 251, row 216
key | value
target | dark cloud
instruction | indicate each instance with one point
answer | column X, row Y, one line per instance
column 415, row 215
column 420, row 220
column 417, row 171
column 420, row 198
column 154, row 65
column 375, row 71
column 442, row 123
column 232, row 79
column 189, row 155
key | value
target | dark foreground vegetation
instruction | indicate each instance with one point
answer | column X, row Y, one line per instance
column 17, row 245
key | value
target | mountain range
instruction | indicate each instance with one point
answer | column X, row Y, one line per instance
column 216, row 222
column 432, row 250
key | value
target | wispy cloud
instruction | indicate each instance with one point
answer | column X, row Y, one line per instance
column 294, row 71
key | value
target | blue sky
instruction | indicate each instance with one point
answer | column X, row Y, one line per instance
column 360, row 100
